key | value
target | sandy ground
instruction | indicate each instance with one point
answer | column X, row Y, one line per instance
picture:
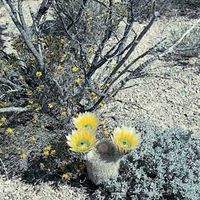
column 168, row 97
column 16, row 190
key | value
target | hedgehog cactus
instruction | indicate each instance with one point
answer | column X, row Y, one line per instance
column 103, row 162
column 102, row 157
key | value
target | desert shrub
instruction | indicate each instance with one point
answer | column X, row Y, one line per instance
column 62, row 66
column 192, row 2
column 183, row 7
column 165, row 166
column 190, row 46
column 38, row 152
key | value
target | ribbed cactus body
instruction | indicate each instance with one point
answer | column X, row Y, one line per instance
column 103, row 162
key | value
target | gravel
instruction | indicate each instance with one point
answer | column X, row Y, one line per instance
column 17, row 190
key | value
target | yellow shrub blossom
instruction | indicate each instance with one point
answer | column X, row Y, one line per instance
column 23, row 156
column 3, row 119
column 32, row 139
column 75, row 69
column 29, row 93
column 9, row 131
column 38, row 74
column 50, row 105
column 47, row 151
column 66, row 176
column 78, row 80
column 63, row 113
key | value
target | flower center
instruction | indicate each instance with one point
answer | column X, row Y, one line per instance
column 84, row 143
column 125, row 144
column 87, row 126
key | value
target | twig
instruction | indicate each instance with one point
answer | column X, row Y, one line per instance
column 14, row 109
column 136, row 72
column 24, row 32
column 4, row 168
column 8, row 92
column 172, row 48
column 8, row 82
column 44, row 7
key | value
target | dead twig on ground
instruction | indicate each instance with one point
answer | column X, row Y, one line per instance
column 13, row 109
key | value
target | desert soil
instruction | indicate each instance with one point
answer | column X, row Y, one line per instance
column 168, row 97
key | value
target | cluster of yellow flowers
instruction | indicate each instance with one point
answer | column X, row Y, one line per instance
column 84, row 138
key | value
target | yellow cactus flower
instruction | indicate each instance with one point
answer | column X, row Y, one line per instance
column 46, row 152
column 94, row 96
column 40, row 88
column 38, row 74
column 34, row 119
column 62, row 41
column 63, row 58
column 87, row 121
column 125, row 139
column 3, row 104
column 9, row 131
column 102, row 104
column 36, row 107
column 81, row 141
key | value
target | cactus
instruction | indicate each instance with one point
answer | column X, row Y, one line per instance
column 103, row 162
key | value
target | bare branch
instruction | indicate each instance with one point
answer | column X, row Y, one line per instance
column 8, row 92
column 133, row 46
column 11, row 84
column 25, row 34
column 4, row 168
column 129, row 48
column 44, row 7
column 14, row 109
column 137, row 72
